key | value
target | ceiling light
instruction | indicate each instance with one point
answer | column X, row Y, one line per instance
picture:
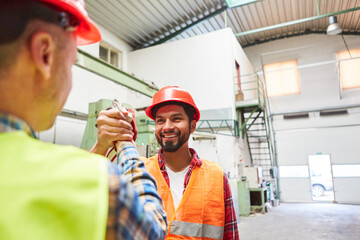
column 333, row 28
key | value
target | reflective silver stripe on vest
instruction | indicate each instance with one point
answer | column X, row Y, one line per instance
column 196, row 230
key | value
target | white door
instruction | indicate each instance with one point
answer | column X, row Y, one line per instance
column 321, row 178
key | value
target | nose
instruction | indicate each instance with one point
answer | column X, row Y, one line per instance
column 168, row 126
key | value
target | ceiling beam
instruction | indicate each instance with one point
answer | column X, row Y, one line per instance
column 238, row 3
column 295, row 22
column 174, row 34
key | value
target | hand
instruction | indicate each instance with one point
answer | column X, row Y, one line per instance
column 112, row 127
column 133, row 124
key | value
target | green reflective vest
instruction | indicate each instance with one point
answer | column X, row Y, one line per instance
column 49, row 191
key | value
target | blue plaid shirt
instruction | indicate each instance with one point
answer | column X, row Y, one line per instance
column 135, row 210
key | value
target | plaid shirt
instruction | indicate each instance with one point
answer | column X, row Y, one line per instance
column 135, row 210
column 230, row 230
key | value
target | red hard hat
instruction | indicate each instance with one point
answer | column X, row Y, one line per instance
column 172, row 94
column 87, row 32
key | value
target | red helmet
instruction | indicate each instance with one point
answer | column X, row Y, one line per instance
column 172, row 94
column 87, row 32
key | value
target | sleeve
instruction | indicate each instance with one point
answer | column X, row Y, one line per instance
column 231, row 228
column 135, row 208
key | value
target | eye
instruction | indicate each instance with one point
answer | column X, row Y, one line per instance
column 177, row 119
column 159, row 120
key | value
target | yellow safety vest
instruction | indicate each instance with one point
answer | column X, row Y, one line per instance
column 201, row 211
column 49, row 191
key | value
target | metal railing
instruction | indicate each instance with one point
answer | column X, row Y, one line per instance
column 228, row 127
column 253, row 88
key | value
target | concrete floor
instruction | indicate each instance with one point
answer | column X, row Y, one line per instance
column 310, row 221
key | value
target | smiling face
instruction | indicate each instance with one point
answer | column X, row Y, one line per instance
column 172, row 127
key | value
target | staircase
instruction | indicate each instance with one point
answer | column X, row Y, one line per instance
column 255, row 129
column 254, row 123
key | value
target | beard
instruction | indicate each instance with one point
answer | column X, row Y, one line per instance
column 169, row 146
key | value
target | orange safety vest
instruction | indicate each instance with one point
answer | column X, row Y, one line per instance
column 201, row 211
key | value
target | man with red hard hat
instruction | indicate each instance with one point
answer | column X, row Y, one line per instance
column 58, row 192
column 196, row 193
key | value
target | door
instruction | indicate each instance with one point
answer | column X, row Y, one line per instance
column 321, row 178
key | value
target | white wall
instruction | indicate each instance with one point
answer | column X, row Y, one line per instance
column 341, row 143
column 225, row 150
column 112, row 40
column 295, row 139
column 319, row 85
column 65, row 131
column 203, row 65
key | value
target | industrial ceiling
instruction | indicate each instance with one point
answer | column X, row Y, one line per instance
column 143, row 23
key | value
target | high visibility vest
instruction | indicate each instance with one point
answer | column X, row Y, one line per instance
column 49, row 191
column 201, row 211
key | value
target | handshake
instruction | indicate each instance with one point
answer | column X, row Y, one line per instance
column 128, row 114
column 116, row 125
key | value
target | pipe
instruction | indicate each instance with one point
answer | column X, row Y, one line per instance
column 295, row 22
column 315, row 110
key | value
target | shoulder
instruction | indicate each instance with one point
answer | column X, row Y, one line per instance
column 211, row 165
column 67, row 150
column 54, row 152
column 51, row 161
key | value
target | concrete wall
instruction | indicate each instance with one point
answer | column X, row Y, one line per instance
column 296, row 139
column 204, row 65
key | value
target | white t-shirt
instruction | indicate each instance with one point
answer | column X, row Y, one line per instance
column 176, row 180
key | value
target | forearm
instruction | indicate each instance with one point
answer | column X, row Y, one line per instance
column 132, row 169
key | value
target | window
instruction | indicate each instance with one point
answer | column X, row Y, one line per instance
column 282, row 78
column 349, row 69
column 110, row 56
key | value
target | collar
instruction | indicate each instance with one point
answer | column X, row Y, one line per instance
column 196, row 161
column 10, row 123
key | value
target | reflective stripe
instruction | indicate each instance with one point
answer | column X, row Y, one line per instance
column 196, row 230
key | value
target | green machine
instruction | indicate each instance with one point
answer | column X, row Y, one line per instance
column 243, row 198
column 90, row 134
column 146, row 134
column 146, row 140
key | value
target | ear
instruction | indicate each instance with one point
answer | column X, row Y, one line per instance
column 192, row 126
column 42, row 48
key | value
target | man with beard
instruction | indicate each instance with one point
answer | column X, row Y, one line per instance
column 195, row 192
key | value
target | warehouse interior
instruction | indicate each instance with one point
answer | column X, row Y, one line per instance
column 277, row 83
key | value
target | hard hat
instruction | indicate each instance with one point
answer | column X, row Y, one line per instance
column 87, row 32
column 172, row 94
